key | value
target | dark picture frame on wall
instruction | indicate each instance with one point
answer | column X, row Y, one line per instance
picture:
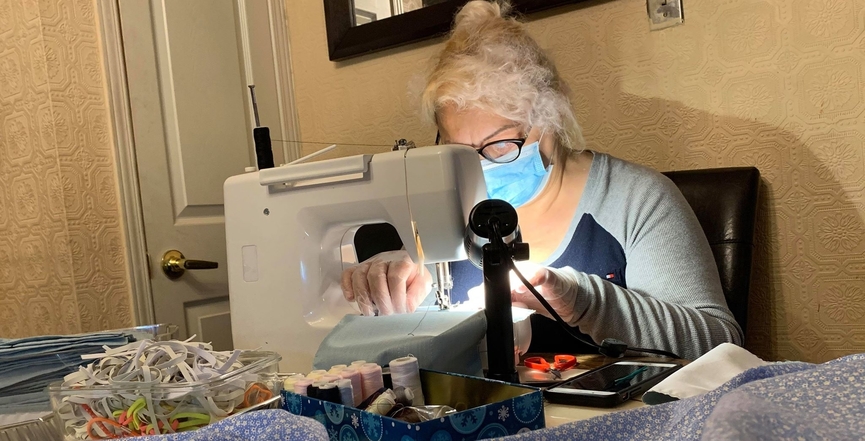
column 345, row 40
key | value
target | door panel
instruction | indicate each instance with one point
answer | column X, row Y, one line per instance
column 211, row 318
column 187, row 73
column 204, row 89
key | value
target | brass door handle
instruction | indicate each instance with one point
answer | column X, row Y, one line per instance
column 174, row 264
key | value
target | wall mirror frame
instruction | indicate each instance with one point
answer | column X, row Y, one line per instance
column 345, row 40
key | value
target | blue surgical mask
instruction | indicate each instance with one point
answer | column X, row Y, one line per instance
column 519, row 181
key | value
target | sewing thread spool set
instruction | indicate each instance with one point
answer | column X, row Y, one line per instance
column 455, row 406
column 361, row 385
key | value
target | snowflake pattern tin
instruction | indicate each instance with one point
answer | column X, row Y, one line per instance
column 488, row 409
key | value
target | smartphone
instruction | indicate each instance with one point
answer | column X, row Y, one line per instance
column 610, row 385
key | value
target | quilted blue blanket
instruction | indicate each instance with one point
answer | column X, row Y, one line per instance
column 782, row 401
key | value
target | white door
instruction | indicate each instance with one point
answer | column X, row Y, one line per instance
column 188, row 65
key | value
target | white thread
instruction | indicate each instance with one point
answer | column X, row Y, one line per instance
column 346, row 393
column 353, row 375
column 330, row 378
column 405, row 372
column 357, row 363
column 288, row 383
column 336, row 368
column 370, row 374
column 316, row 374
column 383, row 403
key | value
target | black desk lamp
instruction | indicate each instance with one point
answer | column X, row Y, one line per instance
column 493, row 242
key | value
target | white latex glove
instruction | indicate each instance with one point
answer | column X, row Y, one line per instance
column 557, row 286
column 389, row 282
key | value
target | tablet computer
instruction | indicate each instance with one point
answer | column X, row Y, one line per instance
column 610, row 385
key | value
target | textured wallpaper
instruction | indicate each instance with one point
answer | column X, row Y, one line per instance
column 62, row 255
column 776, row 84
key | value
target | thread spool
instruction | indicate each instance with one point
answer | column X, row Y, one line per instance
column 404, row 372
column 329, row 392
column 313, row 390
column 383, row 403
column 346, row 394
column 330, row 378
column 316, row 374
column 288, row 383
column 301, row 387
column 371, row 378
column 357, row 364
column 353, row 375
column 335, row 369
column 403, row 396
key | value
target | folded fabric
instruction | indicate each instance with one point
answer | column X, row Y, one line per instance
column 53, row 343
column 272, row 424
column 779, row 401
column 441, row 340
column 704, row 374
column 28, row 365
column 25, row 402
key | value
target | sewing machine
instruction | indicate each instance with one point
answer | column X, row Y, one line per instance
column 290, row 230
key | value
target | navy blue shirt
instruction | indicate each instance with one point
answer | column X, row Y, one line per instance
column 592, row 250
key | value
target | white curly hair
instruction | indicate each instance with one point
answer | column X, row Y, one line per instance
column 491, row 63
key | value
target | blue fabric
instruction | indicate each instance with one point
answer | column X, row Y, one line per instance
column 447, row 340
column 274, row 424
column 519, row 181
column 28, row 365
column 783, row 401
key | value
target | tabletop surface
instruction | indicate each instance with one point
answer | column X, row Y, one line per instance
column 557, row 414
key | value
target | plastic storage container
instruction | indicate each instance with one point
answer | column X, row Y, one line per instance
column 65, row 361
column 42, row 429
column 179, row 406
column 160, row 332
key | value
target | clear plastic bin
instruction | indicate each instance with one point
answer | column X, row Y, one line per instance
column 67, row 361
column 43, row 429
column 182, row 406
column 160, row 332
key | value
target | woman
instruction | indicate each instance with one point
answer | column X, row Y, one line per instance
column 621, row 253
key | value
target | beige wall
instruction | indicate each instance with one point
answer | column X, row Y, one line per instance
column 62, row 253
column 774, row 83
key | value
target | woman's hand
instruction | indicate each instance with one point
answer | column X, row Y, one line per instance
column 557, row 286
column 389, row 282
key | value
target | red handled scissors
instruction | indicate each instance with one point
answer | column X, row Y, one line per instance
column 560, row 363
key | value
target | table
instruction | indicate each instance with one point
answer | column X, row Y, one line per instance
column 557, row 414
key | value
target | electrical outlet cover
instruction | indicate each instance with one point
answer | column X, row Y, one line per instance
column 664, row 13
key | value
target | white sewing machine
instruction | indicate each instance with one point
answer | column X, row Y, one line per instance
column 290, row 229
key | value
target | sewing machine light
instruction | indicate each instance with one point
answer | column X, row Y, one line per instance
column 493, row 243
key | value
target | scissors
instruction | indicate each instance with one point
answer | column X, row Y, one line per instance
column 560, row 363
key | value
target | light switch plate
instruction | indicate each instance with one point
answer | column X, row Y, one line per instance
column 664, row 13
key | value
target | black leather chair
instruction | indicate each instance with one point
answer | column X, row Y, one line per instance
column 725, row 202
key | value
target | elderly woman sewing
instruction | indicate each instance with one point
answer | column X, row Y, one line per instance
column 620, row 253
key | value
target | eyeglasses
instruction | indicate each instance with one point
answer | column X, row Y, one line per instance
column 500, row 151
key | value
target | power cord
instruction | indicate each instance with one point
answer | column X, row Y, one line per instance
column 609, row 347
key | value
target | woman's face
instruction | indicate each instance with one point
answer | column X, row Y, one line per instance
column 476, row 128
